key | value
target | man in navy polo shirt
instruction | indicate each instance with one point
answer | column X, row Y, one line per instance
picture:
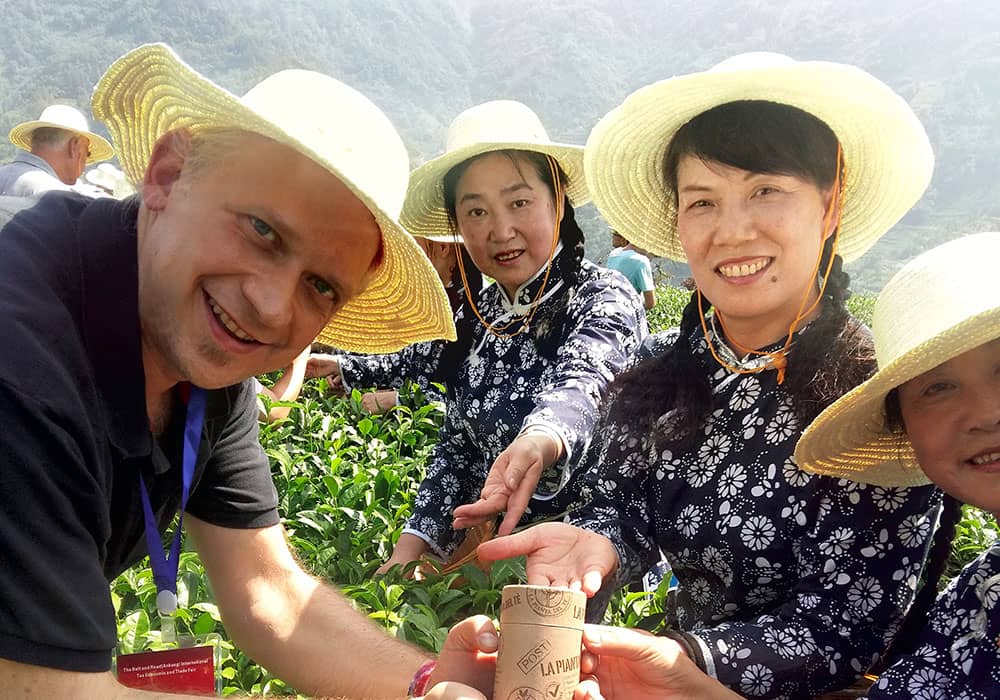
column 130, row 330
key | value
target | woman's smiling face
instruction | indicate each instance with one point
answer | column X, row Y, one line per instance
column 752, row 240
column 507, row 218
column 952, row 417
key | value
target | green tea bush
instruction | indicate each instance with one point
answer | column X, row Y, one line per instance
column 346, row 483
column 670, row 303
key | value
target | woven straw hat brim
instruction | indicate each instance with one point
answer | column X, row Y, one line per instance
column 887, row 154
column 850, row 439
column 150, row 91
column 441, row 237
column 100, row 149
column 424, row 213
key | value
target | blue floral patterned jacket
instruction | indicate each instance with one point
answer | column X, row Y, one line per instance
column 390, row 371
column 958, row 654
column 790, row 584
column 554, row 376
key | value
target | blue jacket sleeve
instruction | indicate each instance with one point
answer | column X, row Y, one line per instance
column 957, row 655
column 415, row 362
column 455, row 472
column 607, row 324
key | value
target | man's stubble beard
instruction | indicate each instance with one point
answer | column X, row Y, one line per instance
column 167, row 341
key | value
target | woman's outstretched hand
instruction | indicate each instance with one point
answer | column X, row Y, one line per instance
column 558, row 555
column 511, row 482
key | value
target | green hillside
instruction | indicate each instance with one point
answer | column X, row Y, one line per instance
column 423, row 61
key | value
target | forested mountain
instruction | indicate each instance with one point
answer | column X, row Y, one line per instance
column 423, row 61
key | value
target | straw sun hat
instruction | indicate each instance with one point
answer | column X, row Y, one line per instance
column 69, row 119
column 887, row 155
column 150, row 91
column 492, row 126
column 942, row 304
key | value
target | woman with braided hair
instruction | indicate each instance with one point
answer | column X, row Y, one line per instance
column 537, row 349
column 764, row 175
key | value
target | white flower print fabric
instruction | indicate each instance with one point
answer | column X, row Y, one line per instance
column 553, row 376
column 958, row 652
column 788, row 582
column 414, row 362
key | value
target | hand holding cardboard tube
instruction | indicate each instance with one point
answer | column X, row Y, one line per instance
column 616, row 664
column 629, row 664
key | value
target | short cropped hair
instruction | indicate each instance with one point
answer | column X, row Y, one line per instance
column 50, row 137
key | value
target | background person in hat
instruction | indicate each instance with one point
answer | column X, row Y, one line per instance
column 56, row 148
column 261, row 222
column 932, row 414
column 762, row 173
column 417, row 362
column 537, row 349
column 110, row 180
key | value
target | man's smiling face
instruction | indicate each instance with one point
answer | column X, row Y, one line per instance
column 246, row 249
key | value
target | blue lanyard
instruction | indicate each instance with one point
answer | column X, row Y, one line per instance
column 165, row 568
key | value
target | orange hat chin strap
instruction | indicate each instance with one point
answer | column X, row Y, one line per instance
column 778, row 359
column 525, row 320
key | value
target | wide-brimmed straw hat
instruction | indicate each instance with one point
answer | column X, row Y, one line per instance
column 150, row 91
column 887, row 155
column 499, row 125
column 943, row 303
column 69, row 119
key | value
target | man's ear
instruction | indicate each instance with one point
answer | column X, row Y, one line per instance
column 165, row 165
column 74, row 147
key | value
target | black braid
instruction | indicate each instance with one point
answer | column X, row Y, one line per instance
column 937, row 559
column 571, row 236
column 549, row 322
column 454, row 353
column 821, row 371
column 669, row 395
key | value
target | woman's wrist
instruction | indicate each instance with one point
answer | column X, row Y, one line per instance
column 409, row 545
column 552, row 445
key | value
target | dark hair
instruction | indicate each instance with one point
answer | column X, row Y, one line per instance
column 894, row 412
column 455, row 289
column 454, row 354
column 829, row 356
column 758, row 136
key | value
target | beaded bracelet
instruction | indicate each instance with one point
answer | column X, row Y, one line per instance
column 418, row 686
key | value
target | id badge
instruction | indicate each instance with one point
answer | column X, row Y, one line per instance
column 189, row 668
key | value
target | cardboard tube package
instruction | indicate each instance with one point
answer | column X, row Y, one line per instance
column 540, row 633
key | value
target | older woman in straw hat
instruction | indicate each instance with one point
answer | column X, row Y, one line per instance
column 536, row 349
column 763, row 174
column 932, row 414
column 417, row 363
